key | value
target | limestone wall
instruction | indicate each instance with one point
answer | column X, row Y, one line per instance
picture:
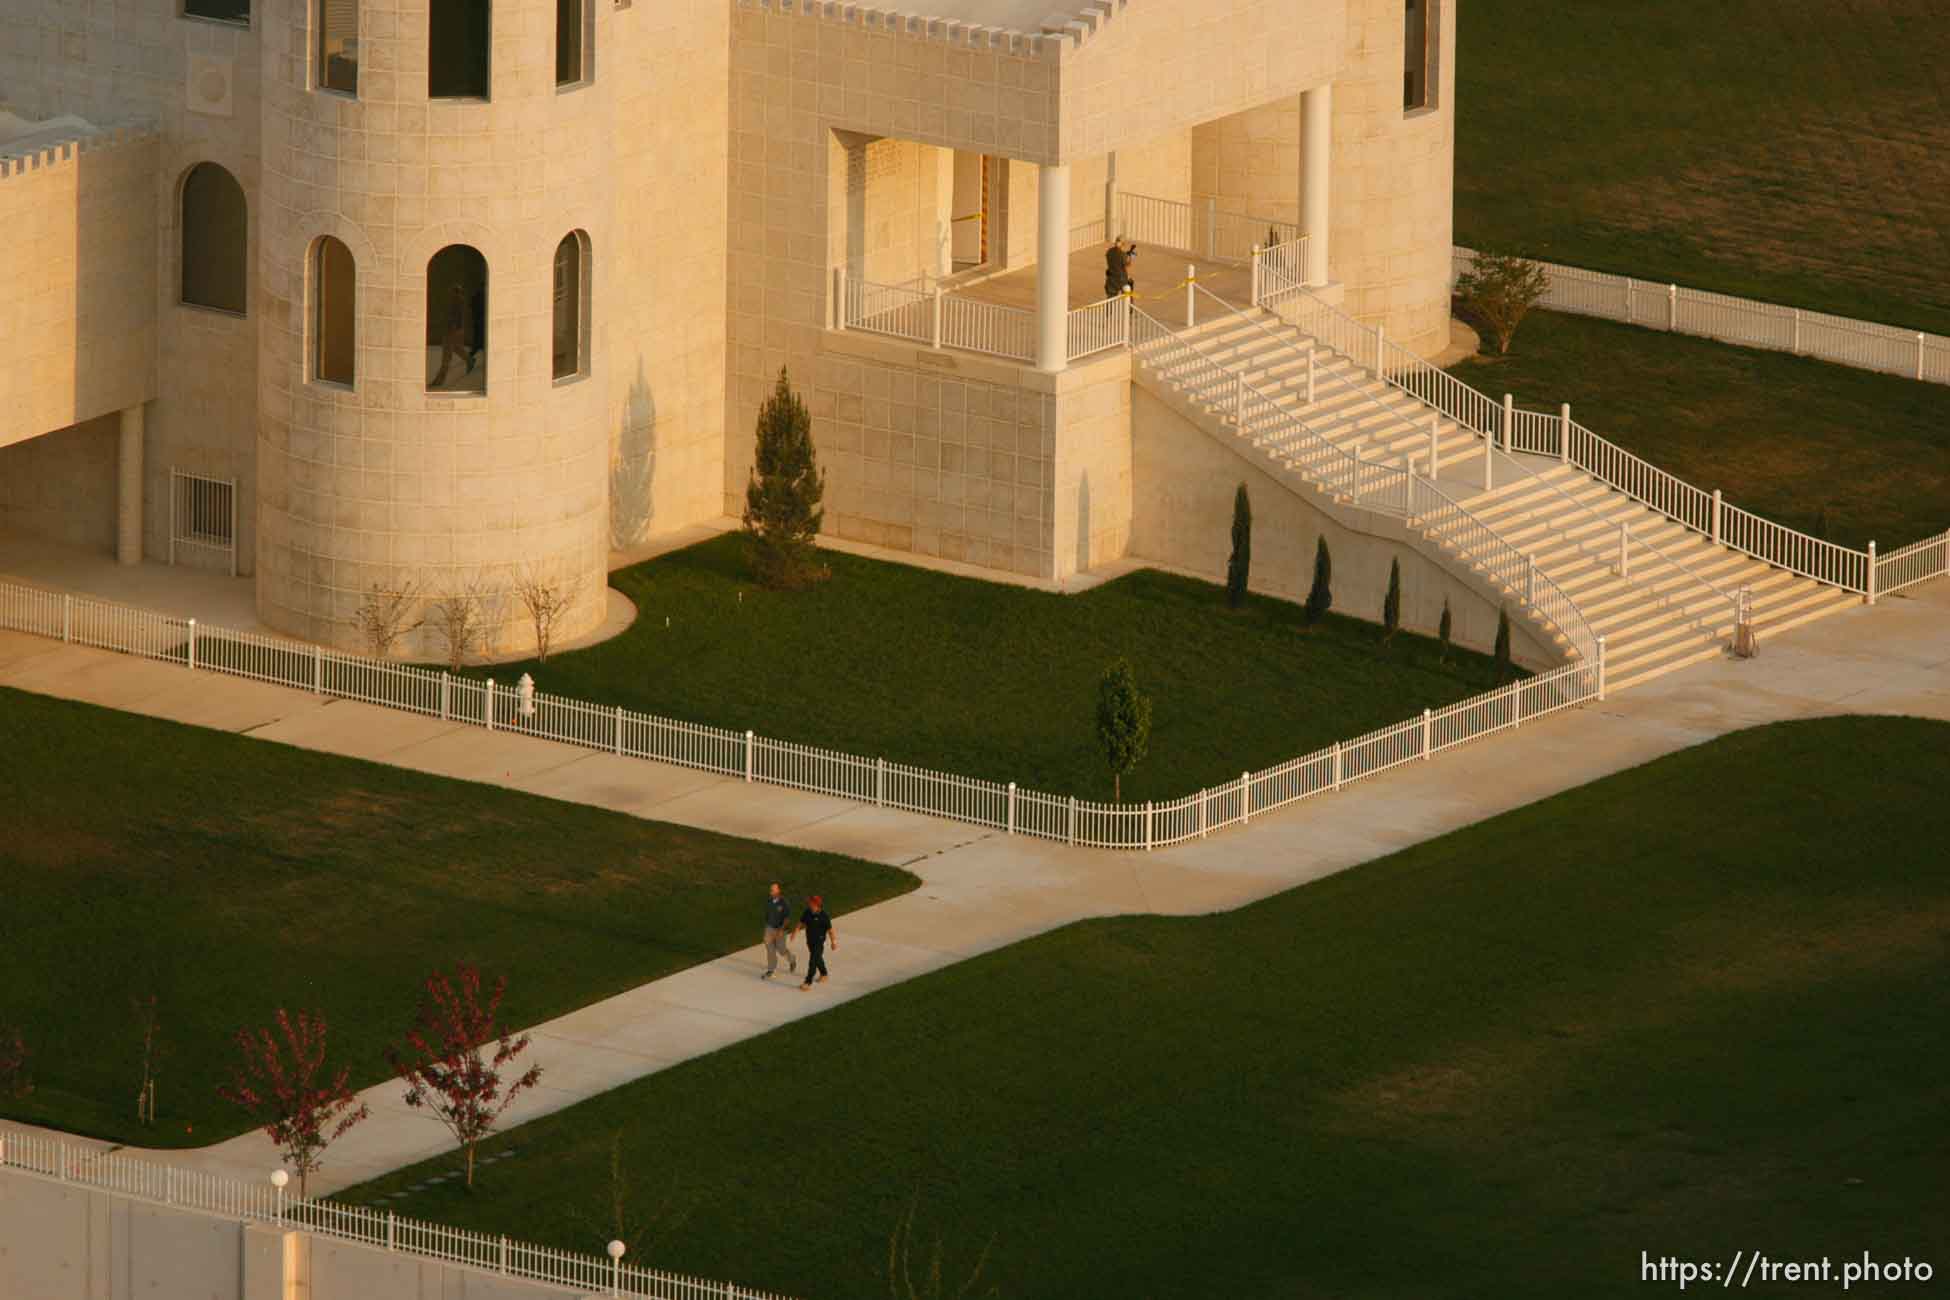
column 78, row 314
column 61, row 485
column 1091, row 489
column 1183, row 484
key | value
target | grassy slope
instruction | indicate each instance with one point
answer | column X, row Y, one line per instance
column 1782, row 436
column 1699, row 1006
column 988, row 680
column 230, row 876
column 1793, row 152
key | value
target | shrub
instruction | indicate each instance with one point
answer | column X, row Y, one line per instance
column 1499, row 290
column 782, row 498
column 1320, row 598
column 1123, row 722
column 1391, row 604
column 1241, row 563
column 1442, row 630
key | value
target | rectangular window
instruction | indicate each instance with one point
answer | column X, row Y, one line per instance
column 1415, row 55
column 338, row 46
column 458, row 43
column 571, row 42
column 223, row 11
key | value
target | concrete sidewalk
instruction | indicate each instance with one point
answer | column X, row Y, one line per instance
column 982, row 889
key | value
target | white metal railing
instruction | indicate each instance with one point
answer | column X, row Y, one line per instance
column 612, row 729
column 985, row 327
column 203, row 516
column 1864, row 345
column 1200, row 229
column 1100, row 326
column 935, row 318
column 1559, row 435
column 192, row 1190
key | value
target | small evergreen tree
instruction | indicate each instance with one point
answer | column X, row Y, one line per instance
column 1123, row 722
column 1241, row 562
column 1821, row 523
column 1502, row 644
column 1391, row 604
column 782, row 497
column 1442, row 630
column 1321, row 597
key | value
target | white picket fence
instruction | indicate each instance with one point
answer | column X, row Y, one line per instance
column 235, row 1199
column 1007, row 807
column 1556, row 434
column 1862, row 344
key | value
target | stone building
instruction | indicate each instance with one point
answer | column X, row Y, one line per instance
column 335, row 293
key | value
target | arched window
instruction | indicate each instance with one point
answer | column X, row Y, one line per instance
column 572, row 40
column 338, row 45
column 216, row 239
column 457, row 49
column 572, row 305
column 457, row 318
column 334, row 331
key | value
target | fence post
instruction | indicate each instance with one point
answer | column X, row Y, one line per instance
column 880, row 783
column 1716, row 516
column 318, row 676
column 1310, row 372
column 749, row 741
column 1796, row 349
column 1428, row 716
column 1239, row 400
column 1073, row 819
column 1509, row 422
column 1630, row 304
column 1253, row 298
column 1601, row 668
column 67, row 618
column 1564, row 432
column 1530, row 582
column 1211, row 230
column 1919, row 356
column 1435, row 439
column 504, row 1253
column 1408, row 485
column 1201, row 813
column 839, row 298
column 1672, row 307
column 1337, row 765
column 1010, row 828
column 1191, row 294
column 619, row 731
column 192, row 645
column 392, row 1238
column 934, row 326
column 1245, row 799
column 1624, row 550
column 489, row 713
column 1872, row 573
column 446, row 695
column 1147, row 825
column 1489, row 467
column 1380, row 342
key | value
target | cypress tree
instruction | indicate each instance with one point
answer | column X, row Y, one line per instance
column 1241, row 562
column 1502, row 644
column 783, row 494
column 1391, row 604
column 1321, row 597
column 1442, row 630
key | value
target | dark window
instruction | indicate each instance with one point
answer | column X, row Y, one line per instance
column 571, row 42
column 457, row 49
column 1415, row 54
column 572, row 305
column 216, row 239
column 338, row 45
column 457, row 321
column 224, row 11
column 335, row 331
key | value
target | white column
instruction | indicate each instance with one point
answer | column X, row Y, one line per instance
column 128, row 511
column 1316, row 163
column 1053, row 266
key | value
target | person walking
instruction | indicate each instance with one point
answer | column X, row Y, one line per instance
column 454, row 345
column 1116, row 260
column 819, row 929
column 778, row 939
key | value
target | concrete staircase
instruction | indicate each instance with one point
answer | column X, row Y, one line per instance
column 1669, row 607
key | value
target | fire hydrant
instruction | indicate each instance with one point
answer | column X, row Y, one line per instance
column 525, row 696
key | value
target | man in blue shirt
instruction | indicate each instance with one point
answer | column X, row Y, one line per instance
column 778, row 941
column 818, row 927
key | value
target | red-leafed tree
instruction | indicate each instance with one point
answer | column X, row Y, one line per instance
column 283, row 1083
column 445, row 1063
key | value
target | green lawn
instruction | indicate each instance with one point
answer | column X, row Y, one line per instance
column 1783, row 436
column 1793, row 152
column 231, row 876
column 988, row 680
column 1700, row 1006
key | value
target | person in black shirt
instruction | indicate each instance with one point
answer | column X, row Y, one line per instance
column 778, row 939
column 819, row 928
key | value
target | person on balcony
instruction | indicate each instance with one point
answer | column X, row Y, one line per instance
column 1117, row 263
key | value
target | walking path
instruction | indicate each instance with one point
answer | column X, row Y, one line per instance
column 982, row 889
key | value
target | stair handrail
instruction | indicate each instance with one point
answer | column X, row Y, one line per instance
column 1582, row 638
column 1381, row 373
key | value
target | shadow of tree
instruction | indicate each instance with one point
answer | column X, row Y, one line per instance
column 633, row 468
